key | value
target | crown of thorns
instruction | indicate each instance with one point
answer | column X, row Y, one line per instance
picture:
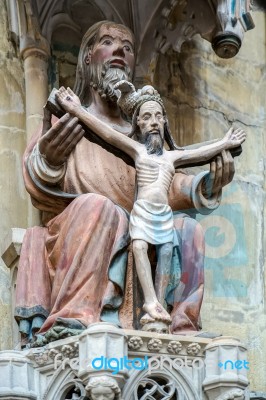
column 131, row 100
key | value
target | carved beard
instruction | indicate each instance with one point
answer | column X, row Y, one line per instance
column 154, row 144
column 103, row 78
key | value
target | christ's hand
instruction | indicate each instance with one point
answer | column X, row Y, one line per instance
column 234, row 138
column 68, row 100
column 222, row 169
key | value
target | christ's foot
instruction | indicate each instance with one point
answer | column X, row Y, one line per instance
column 146, row 319
column 157, row 312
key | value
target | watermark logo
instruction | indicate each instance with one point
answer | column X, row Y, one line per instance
column 118, row 364
column 230, row 364
column 115, row 365
column 153, row 363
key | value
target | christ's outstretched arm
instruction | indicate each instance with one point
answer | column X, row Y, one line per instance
column 70, row 102
column 233, row 138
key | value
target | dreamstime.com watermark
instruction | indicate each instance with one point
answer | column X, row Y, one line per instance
column 147, row 363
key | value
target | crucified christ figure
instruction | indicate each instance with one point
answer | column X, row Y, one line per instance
column 151, row 219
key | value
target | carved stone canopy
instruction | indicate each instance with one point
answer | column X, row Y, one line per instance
column 157, row 25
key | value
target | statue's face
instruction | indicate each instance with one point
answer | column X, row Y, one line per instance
column 151, row 119
column 102, row 393
column 113, row 44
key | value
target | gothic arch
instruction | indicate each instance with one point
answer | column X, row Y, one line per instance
column 176, row 381
column 61, row 383
column 77, row 15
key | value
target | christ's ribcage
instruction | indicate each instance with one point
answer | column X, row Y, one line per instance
column 149, row 171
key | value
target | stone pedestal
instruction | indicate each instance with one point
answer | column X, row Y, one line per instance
column 226, row 369
column 128, row 364
column 16, row 377
column 125, row 363
column 101, row 346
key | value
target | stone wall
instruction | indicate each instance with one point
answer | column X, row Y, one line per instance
column 204, row 96
column 13, row 203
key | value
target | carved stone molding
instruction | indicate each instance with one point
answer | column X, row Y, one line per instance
column 102, row 341
column 154, row 345
column 16, row 376
column 235, row 19
column 55, row 353
column 222, row 382
column 221, row 22
column 176, row 367
column 174, row 347
column 193, row 349
column 184, row 19
column 166, row 24
column 135, row 343
column 165, row 344
column 24, row 27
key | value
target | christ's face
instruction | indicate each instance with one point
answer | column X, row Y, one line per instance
column 151, row 123
column 115, row 45
column 151, row 119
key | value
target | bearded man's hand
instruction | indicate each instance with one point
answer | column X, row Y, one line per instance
column 59, row 140
column 222, row 171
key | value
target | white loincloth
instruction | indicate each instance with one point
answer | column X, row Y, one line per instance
column 152, row 222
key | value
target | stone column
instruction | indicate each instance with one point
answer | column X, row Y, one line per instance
column 36, row 86
column 35, row 51
column 16, row 377
column 226, row 369
column 101, row 344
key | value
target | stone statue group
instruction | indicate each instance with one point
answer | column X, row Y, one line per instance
column 94, row 204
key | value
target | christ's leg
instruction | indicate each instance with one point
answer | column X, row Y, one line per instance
column 151, row 305
column 164, row 260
